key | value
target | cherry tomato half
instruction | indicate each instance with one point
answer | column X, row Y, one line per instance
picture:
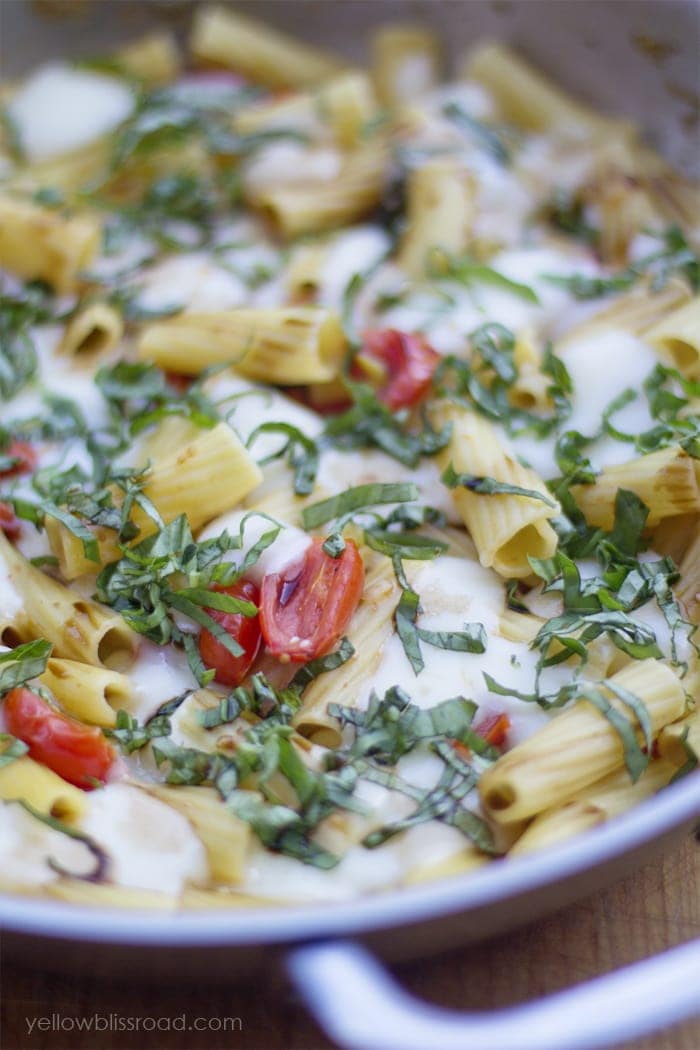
column 25, row 455
column 493, row 729
column 9, row 523
column 231, row 670
column 78, row 753
column 410, row 363
column 305, row 608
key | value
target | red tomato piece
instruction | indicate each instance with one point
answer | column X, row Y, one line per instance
column 181, row 383
column 230, row 669
column 409, row 361
column 9, row 523
column 493, row 729
column 78, row 753
column 305, row 608
column 26, row 458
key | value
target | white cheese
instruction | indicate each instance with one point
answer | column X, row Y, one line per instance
column 246, row 405
column 340, row 470
column 150, row 845
column 27, row 845
column 158, row 674
column 11, row 600
column 190, row 281
column 353, row 252
column 283, row 163
column 60, row 109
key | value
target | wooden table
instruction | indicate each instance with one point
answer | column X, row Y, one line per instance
column 654, row 909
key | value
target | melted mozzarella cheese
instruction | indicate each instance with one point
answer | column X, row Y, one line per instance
column 158, row 674
column 193, row 282
column 455, row 591
column 60, row 109
column 150, row 845
column 27, row 844
column 11, row 601
column 340, row 470
column 291, row 162
column 246, row 405
column 355, row 252
column 602, row 367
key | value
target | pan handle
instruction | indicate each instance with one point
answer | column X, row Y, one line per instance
column 361, row 1007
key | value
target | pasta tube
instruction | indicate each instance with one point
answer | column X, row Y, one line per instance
column 688, row 586
column 78, row 628
column 91, row 694
column 441, row 210
column 577, row 748
column 674, row 536
column 41, row 788
column 505, row 528
column 607, row 798
column 153, row 59
column 672, row 738
column 636, row 311
column 676, row 337
column 406, row 62
column 263, row 54
column 319, row 205
column 202, row 479
column 185, row 479
column 40, row 244
column 468, row 859
column 286, row 345
column 529, row 99
column 67, row 172
column 668, row 482
column 95, row 328
column 68, row 549
column 530, row 387
column 342, row 106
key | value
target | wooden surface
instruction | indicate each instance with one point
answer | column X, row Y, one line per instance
column 656, row 908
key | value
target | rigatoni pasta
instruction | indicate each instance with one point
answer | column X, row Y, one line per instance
column 286, row 346
column 507, row 528
column 40, row 244
column 579, row 746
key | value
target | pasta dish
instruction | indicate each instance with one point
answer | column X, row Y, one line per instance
column 349, row 469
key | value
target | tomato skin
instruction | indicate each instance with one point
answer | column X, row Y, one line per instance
column 231, row 670
column 410, row 362
column 9, row 523
column 493, row 728
column 26, row 456
column 78, row 753
column 181, row 383
column 305, row 608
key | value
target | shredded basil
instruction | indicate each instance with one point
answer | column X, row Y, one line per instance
column 490, row 486
column 301, row 451
column 11, row 748
column 20, row 665
column 352, row 500
column 494, row 140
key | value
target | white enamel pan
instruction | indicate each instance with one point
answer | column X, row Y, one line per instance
column 599, row 50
